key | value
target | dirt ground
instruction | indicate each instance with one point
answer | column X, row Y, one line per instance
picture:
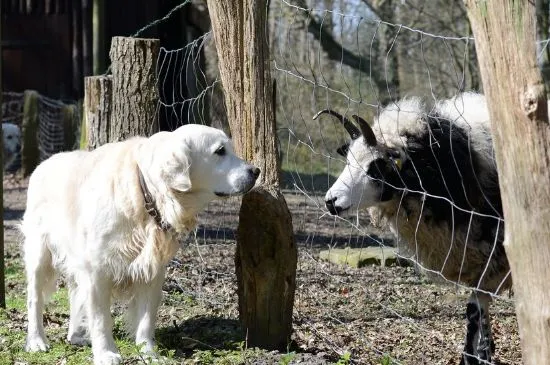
column 370, row 315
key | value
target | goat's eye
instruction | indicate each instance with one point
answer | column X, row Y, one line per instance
column 343, row 150
column 10, row 137
column 393, row 153
column 220, row 151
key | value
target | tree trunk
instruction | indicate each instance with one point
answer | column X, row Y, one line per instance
column 389, row 12
column 77, row 38
column 135, row 93
column 2, row 270
column 68, row 115
column 97, row 110
column 30, row 154
column 87, row 35
column 98, row 39
column 266, row 252
column 505, row 44
column 543, row 31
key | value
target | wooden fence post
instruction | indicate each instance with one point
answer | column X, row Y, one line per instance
column 266, row 251
column 98, row 96
column 123, row 104
column 30, row 154
column 68, row 114
column 135, row 94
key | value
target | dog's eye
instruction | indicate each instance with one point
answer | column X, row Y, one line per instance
column 10, row 137
column 220, row 151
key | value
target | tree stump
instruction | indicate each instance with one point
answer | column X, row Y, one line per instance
column 97, row 110
column 135, row 94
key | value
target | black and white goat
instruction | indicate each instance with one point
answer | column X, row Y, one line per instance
column 431, row 175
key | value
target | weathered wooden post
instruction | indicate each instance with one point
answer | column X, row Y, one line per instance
column 123, row 104
column 68, row 113
column 266, row 252
column 30, row 154
column 98, row 100
column 505, row 44
column 135, row 94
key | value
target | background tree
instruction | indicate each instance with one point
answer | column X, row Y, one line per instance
column 266, row 257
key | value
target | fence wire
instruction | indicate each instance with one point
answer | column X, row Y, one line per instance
column 356, row 59
column 51, row 135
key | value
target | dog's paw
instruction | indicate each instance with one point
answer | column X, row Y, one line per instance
column 147, row 351
column 146, row 347
column 36, row 343
column 107, row 358
column 151, row 357
column 78, row 339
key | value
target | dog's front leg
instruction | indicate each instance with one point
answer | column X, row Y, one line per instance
column 142, row 313
column 100, row 322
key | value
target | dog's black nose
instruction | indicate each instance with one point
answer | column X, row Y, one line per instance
column 332, row 208
column 255, row 171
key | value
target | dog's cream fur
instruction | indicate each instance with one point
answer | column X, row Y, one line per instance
column 86, row 219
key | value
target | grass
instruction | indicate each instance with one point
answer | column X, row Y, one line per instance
column 175, row 346
column 13, row 331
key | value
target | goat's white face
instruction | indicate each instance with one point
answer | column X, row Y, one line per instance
column 354, row 188
column 364, row 180
column 370, row 170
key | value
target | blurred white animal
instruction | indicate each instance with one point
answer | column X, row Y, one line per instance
column 109, row 220
column 11, row 141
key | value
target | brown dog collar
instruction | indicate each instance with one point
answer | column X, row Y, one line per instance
column 150, row 205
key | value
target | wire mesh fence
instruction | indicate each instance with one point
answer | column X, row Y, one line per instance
column 355, row 58
column 52, row 122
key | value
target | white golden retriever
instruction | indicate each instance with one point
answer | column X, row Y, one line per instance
column 11, row 139
column 109, row 221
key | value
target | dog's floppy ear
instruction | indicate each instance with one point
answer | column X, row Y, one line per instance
column 176, row 166
column 167, row 161
column 179, row 178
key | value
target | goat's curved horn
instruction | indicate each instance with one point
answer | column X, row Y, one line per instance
column 350, row 127
column 368, row 133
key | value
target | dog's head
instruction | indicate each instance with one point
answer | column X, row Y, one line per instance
column 11, row 137
column 198, row 160
column 213, row 166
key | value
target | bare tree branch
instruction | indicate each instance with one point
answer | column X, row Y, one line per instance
column 336, row 52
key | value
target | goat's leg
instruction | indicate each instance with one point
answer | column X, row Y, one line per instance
column 479, row 345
